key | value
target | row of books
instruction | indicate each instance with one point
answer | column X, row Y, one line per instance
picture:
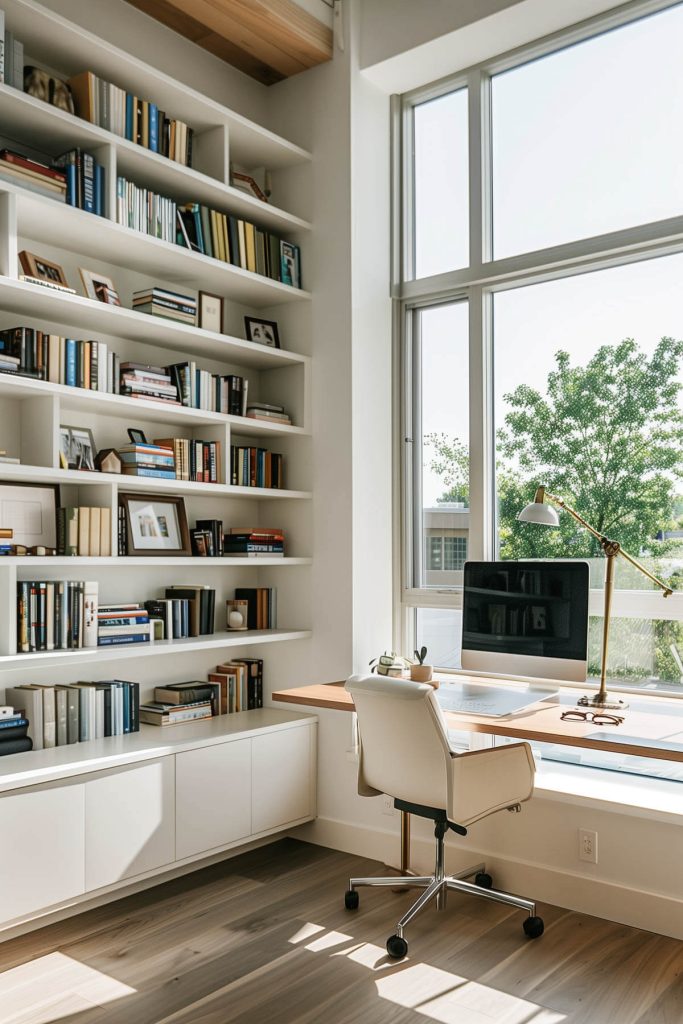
column 186, row 610
column 170, row 305
column 255, row 467
column 12, row 59
column 85, row 181
column 261, row 606
column 126, row 623
column 130, row 117
column 30, row 352
column 14, row 738
column 234, row 686
column 194, row 459
column 56, row 716
column 56, row 615
column 214, row 392
column 84, row 531
column 220, row 236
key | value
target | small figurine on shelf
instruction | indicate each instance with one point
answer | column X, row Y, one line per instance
column 419, row 672
column 236, row 614
column 108, row 460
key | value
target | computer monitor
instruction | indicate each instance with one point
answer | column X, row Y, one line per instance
column 526, row 619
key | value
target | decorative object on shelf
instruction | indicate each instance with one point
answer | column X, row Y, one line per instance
column 543, row 515
column 421, row 673
column 77, row 446
column 263, row 332
column 40, row 551
column 30, row 511
column 108, row 460
column 156, row 524
column 136, row 436
column 236, row 614
column 47, row 87
column 99, row 288
column 290, row 264
column 210, row 309
column 246, row 183
column 390, row 664
column 41, row 269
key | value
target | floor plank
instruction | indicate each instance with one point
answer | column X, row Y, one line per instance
column 265, row 937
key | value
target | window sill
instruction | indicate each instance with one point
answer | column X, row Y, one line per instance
column 632, row 795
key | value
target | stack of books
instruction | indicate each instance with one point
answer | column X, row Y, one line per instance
column 241, row 685
column 208, row 538
column 84, row 531
column 193, row 459
column 123, row 624
column 32, row 175
column 217, row 235
column 85, row 181
column 261, row 606
column 140, row 121
column 31, row 352
column 153, row 460
column 170, row 305
column 255, row 467
column 271, row 413
column 6, row 534
column 254, row 542
column 14, row 738
column 59, row 715
column 201, row 389
column 164, row 714
column 152, row 383
column 56, row 615
column 190, row 693
column 186, row 610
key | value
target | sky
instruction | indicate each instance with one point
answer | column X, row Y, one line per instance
column 585, row 141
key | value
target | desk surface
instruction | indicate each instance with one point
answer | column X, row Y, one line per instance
column 541, row 722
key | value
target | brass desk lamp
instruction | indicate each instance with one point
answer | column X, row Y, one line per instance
column 538, row 512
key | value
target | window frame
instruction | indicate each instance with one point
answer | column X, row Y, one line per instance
column 477, row 284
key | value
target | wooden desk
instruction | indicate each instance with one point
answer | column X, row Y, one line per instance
column 541, row 722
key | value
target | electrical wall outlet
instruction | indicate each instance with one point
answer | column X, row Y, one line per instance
column 387, row 804
column 588, row 846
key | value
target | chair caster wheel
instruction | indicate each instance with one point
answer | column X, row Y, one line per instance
column 533, row 927
column 397, row 947
column 483, row 880
column 351, row 899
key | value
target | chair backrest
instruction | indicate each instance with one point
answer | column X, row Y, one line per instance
column 404, row 749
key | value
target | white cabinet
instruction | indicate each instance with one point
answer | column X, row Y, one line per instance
column 129, row 821
column 282, row 778
column 41, row 848
column 213, row 797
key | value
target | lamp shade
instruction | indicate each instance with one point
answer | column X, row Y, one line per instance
column 540, row 513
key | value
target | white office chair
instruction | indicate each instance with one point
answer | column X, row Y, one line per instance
column 404, row 752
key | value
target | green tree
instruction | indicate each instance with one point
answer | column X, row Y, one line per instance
column 451, row 461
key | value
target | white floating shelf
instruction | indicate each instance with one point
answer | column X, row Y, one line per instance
column 115, row 321
column 66, row 227
column 103, row 404
column 57, row 43
column 24, row 117
column 39, row 659
column 78, row 562
column 45, row 475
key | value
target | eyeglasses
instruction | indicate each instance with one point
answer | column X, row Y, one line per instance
column 596, row 717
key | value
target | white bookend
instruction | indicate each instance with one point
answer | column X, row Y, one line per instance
column 90, row 614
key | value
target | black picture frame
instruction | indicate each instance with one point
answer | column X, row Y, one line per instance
column 136, row 436
column 262, row 332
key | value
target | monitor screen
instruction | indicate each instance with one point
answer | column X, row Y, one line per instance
column 526, row 618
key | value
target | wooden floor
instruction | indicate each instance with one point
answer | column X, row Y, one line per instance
column 264, row 939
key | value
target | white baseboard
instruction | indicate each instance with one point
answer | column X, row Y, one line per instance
column 652, row 911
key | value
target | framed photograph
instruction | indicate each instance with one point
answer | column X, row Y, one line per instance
column 38, row 266
column 290, row 264
column 136, row 436
column 77, row 447
column 156, row 524
column 99, row 288
column 264, row 332
column 210, row 309
column 30, row 511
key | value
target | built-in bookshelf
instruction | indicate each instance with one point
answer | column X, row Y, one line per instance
column 32, row 410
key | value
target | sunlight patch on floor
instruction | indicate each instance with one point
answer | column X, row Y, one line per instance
column 51, row 987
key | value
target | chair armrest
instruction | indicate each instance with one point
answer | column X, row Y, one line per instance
column 482, row 782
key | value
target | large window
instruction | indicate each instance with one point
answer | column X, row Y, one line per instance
column 542, row 254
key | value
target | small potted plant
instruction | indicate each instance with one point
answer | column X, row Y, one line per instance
column 419, row 672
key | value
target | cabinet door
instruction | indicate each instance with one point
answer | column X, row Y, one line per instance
column 41, row 848
column 213, row 797
column 129, row 821
column 282, row 780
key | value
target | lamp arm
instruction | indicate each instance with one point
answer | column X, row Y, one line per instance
column 667, row 591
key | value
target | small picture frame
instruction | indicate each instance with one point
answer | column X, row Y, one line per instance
column 263, row 332
column 210, row 312
column 99, row 288
column 136, row 436
column 156, row 524
column 236, row 612
column 46, row 270
column 30, row 511
column 290, row 264
column 77, row 448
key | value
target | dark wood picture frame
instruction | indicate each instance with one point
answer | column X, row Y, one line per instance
column 46, row 270
column 125, row 500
